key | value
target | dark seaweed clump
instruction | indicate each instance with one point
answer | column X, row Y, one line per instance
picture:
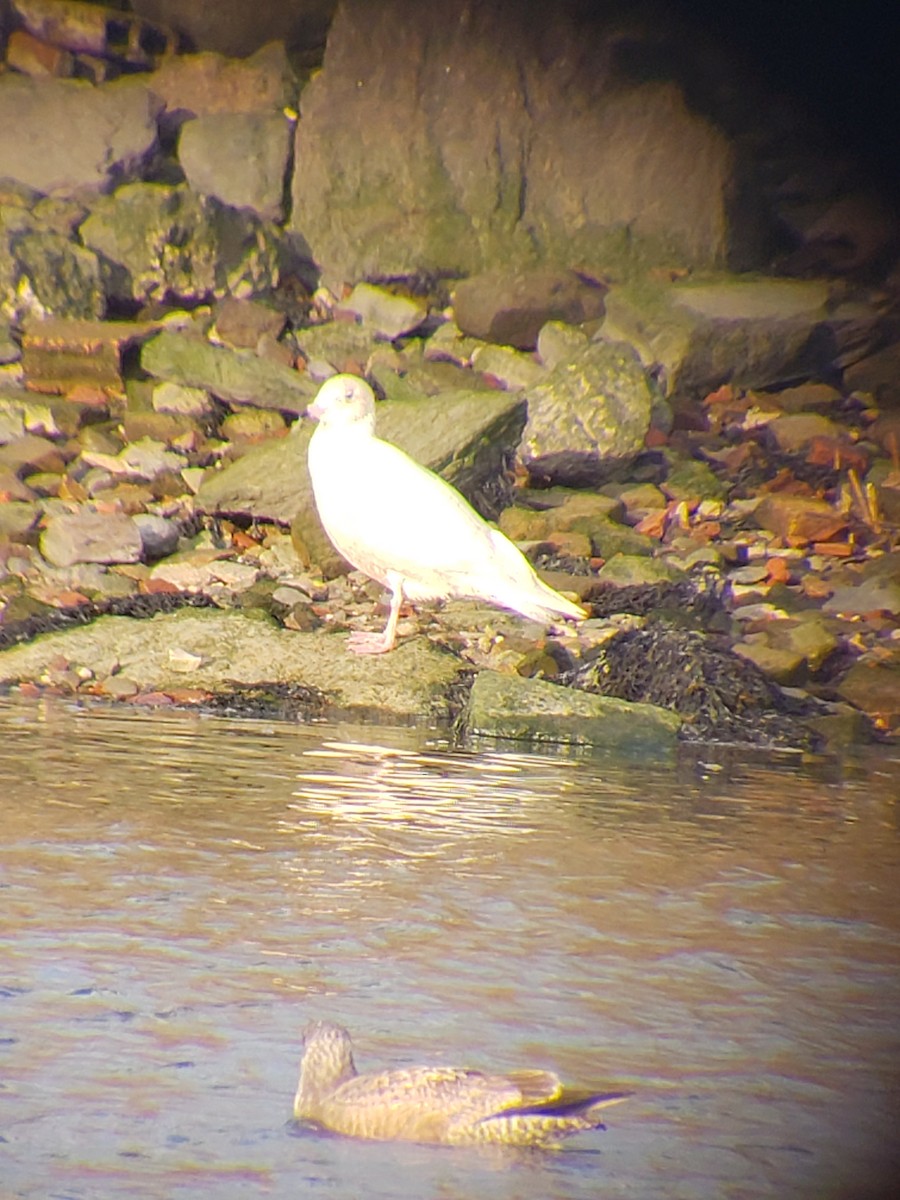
column 267, row 701
column 140, row 607
column 720, row 696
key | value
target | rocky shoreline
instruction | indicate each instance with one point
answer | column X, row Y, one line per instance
column 726, row 565
column 708, row 460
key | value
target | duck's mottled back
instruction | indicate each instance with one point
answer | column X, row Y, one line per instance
column 450, row 1105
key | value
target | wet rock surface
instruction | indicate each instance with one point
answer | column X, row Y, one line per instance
column 190, row 656
column 709, row 461
column 508, row 707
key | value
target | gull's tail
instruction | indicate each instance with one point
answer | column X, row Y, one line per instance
column 518, row 586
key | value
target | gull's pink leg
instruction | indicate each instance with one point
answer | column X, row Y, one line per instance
column 380, row 643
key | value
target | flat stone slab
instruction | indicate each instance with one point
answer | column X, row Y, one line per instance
column 60, row 352
column 533, row 710
column 753, row 333
column 91, row 537
column 227, row 647
column 236, row 376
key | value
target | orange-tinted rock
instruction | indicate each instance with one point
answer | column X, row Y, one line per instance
column 799, row 519
column 837, row 452
column 31, row 56
column 778, row 570
column 60, row 355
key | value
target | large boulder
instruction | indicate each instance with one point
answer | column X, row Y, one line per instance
column 201, row 85
column 240, row 158
column 165, row 243
column 747, row 331
column 461, row 137
column 234, row 27
column 70, row 137
column 44, row 273
column 589, row 417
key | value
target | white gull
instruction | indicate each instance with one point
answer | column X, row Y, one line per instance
column 404, row 526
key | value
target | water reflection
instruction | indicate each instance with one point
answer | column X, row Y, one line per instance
column 179, row 895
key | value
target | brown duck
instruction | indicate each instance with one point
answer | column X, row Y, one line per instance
column 450, row 1105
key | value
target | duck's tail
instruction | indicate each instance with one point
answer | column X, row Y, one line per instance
column 546, row 1124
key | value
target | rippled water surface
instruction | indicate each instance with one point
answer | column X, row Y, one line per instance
column 179, row 895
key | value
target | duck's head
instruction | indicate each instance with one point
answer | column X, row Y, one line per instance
column 327, row 1062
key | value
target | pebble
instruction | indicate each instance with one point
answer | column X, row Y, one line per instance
column 756, row 573
column 640, row 501
column 184, row 661
column 799, row 519
column 385, row 313
column 145, row 459
column 193, row 402
column 236, row 576
column 253, row 425
column 119, row 687
column 758, row 612
column 159, row 536
column 185, row 576
column 290, row 596
column 795, row 431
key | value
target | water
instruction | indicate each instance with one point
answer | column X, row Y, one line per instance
column 179, row 895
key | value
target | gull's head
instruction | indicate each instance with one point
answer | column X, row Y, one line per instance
column 344, row 400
